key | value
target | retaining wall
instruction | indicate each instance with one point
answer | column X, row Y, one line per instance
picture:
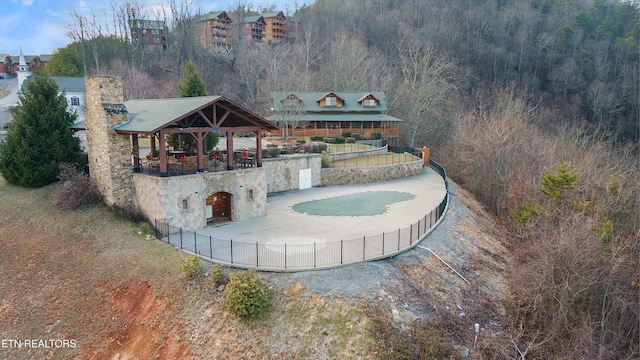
column 369, row 174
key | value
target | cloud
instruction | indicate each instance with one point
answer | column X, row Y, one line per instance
column 27, row 2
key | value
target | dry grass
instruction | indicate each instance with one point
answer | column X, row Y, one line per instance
column 95, row 278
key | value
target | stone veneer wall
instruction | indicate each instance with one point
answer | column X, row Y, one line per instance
column 109, row 152
column 369, row 174
column 162, row 198
column 283, row 173
column 353, row 154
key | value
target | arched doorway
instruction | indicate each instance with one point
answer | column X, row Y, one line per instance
column 218, row 207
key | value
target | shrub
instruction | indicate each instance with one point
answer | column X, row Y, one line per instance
column 216, row 276
column 301, row 141
column 346, row 134
column 317, row 138
column 192, row 266
column 339, row 139
column 325, row 162
column 75, row 189
column 350, row 140
column 356, row 136
column 247, row 296
column 329, row 140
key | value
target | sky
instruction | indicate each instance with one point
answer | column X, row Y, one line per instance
column 39, row 26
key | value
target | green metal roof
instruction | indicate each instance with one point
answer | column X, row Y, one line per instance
column 311, row 102
column 270, row 14
column 252, row 19
column 211, row 16
column 149, row 116
column 152, row 114
column 337, row 117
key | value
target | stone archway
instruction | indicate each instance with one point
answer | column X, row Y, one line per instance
column 218, row 207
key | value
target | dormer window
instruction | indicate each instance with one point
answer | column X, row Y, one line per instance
column 369, row 103
column 75, row 101
column 330, row 101
column 291, row 101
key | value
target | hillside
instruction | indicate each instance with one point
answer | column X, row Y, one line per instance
column 94, row 278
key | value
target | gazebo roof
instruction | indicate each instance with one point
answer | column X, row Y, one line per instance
column 150, row 116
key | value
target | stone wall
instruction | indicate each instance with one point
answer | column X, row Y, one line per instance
column 109, row 152
column 163, row 198
column 283, row 173
column 369, row 174
column 353, row 154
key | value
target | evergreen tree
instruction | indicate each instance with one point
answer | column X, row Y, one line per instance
column 192, row 84
column 38, row 138
column 66, row 61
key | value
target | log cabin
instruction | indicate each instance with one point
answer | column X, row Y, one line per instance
column 334, row 114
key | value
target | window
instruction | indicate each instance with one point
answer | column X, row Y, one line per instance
column 291, row 103
column 75, row 101
column 369, row 102
column 185, row 204
column 330, row 101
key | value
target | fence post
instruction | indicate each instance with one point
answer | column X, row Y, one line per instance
column 364, row 246
column 341, row 246
column 155, row 227
column 232, row 251
column 257, row 265
column 410, row 235
column 168, row 233
column 180, row 237
column 383, row 243
column 210, row 248
column 398, row 239
column 425, row 223
column 314, row 254
column 285, row 255
column 195, row 242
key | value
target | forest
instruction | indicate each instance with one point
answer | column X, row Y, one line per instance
column 532, row 106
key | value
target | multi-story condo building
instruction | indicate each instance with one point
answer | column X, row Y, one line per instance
column 152, row 33
column 275, row 27
column 214, row 30
column 253, row 28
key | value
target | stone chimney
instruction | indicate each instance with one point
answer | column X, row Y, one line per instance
column 109, row 152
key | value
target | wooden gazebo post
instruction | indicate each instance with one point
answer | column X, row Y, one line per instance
column 259, row 148
column 163, row 156
column 229, row 137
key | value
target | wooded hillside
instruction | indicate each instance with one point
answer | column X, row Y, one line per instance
column 530, row 105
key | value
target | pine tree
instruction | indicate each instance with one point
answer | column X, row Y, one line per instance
column 192, row 84
column 38, row 138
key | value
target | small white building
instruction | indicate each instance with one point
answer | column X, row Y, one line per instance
column 75, row 94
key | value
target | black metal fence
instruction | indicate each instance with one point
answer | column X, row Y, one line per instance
column 268, row 256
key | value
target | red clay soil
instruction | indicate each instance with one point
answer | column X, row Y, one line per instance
column 145, row 332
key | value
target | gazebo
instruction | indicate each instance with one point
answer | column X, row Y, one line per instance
column 194, row 116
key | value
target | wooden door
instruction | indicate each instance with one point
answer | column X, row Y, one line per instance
column 218, row 207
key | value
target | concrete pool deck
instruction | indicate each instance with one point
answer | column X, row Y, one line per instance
column 283, row 225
